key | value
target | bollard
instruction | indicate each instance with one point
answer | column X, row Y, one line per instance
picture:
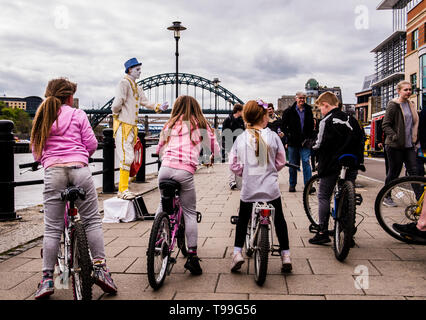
column 7, row 175
column 141, row 175
column 108, row 176
column 146, row 125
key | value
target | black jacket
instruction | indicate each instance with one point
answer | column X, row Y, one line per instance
column 230, row 123
column 292, row 128
column 339, row 133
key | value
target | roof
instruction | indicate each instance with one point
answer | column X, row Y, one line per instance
column 387, row 4
column 391, row 38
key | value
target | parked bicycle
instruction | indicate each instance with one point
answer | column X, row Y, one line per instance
column 74, row 259
column 407, row 194
column 167, row 233
column 343, row 207
column 260, row 236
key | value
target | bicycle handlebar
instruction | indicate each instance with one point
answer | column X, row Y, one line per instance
column 33, row 165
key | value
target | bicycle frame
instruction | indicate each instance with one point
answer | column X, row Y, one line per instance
column 263, row 220
column 175, row 220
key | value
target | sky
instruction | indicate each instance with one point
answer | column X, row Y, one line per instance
column 257, row 48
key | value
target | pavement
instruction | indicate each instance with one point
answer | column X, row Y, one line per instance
column 377, row 268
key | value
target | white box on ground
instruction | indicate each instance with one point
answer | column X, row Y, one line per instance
column 118, row 210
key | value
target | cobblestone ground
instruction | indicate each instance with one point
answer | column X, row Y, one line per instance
column 393, row 270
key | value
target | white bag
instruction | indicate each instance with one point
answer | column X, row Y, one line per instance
column 118, row 210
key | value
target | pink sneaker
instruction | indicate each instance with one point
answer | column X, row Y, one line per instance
column 102, row 278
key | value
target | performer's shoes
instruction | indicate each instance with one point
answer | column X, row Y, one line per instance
column 126, row 195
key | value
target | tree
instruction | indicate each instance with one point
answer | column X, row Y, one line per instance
column 20, row 118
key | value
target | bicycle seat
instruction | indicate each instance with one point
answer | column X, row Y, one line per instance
column 72, row 193
column 348, row 160
column 169, row 187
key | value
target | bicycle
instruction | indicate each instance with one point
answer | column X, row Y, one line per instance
column 343, row 207
column 74, row 258
column 260, row 236
column 168, row 229
column 407, row 194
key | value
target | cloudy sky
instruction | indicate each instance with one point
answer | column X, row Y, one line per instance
column 257, row 48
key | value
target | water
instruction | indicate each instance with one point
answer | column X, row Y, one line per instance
column 28, row 196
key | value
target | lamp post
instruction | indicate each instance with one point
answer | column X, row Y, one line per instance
column 177, row 27
column 216, row 84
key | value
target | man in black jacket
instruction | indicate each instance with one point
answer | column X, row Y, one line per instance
column 339, row 133
column 232, row 127
column 298, row 127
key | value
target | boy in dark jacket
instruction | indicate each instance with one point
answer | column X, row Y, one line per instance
column 338, row 134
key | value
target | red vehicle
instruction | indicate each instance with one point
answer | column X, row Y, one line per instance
column 376, row 133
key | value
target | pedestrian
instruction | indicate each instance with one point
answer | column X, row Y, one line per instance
column 125, row 109
column 421, row 145
column 232, row 127
column 257, row 156
column 400, row 125
column 275, row 124
column 179, row 147
column 339, row 133
column 298, row 127
column 62, row 141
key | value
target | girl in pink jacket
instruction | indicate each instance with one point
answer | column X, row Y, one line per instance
column 62, row 140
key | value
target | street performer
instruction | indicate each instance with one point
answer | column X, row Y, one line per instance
column 125, row 109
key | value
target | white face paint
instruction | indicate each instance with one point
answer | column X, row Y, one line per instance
column 135, row 72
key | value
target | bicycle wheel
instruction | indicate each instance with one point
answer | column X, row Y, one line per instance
column 81, row 264
column 249, row 251
column 261, row 255
column 404, row 193
column 344, row 225
column 158, row 250
column 181, row 242
column 310, row 202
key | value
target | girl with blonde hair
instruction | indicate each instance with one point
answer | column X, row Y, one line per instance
column 180, row 144
column 257, row 155
column 62, row 141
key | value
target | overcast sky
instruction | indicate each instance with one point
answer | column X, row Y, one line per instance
column 264, row 48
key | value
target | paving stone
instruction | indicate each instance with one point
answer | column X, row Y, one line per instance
column 401, row 268
column 396, row 285
column 322, row 284
column 332, row 266
column 270, row 297
column 13, row 263
column 12, row 279
column 353, row 297
column 410, row 254
column 211, row 296
column 237, row 283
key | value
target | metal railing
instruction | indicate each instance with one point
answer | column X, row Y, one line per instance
column 8, row 185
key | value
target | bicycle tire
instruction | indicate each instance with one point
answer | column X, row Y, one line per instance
column 249, row 251
column 345, row 221
column 261, row 255
column 160, row 230
column 82, row 281
column 401, row 192
column 181, row 240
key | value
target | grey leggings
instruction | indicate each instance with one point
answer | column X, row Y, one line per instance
column 56, row 179
column 188, row 200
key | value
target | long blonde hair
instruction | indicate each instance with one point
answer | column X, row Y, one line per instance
column 253, row 114
column 57, row 92
column 186, row 109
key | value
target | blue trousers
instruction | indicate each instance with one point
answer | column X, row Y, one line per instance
column 296, row 154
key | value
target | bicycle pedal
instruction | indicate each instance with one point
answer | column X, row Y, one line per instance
column 276, row 252
column 234, row 219
column 358, row 199
column 313, row 229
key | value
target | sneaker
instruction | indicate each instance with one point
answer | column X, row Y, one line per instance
column 126, row 195
column 286, row 263
column 193, row 265
column 237, row 261
column 102, row 278
column 45, row 289
column 320, row 238
column 410, row 231
column 233, row 185
column 389, row 202
column 292, row 189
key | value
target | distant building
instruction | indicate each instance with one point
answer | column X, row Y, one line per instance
column 284, row 102
column 363, row 107
column 29, row 104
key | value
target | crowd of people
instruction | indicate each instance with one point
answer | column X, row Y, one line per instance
column 256, row 143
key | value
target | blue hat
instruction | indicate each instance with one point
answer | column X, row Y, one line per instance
column 131, row 63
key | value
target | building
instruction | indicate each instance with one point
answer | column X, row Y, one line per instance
column 284, row 102
column 390, row 53
column 29, row 104
column 415, row 59
column 363, row 107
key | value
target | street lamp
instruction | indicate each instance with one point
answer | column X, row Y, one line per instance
column 177, row 27
column 216, row 84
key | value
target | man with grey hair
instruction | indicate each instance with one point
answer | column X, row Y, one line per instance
column 298, row 127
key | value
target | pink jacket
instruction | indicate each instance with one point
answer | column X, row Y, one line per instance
column 183, row 151
column 71, row 139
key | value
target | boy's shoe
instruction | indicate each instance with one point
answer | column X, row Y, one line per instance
column 389, row 202
column 320, row 238
column 193, row 265
column 237, row 261
column 292, row 189
column 102, row 278
column 286, row 263
column 232, row 185
column 45, row 289
column 410, row 231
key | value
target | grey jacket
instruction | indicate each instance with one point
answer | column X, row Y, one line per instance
column 394, row 124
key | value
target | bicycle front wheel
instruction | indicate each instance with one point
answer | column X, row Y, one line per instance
column 249, row 250
column 344, row 226
column 400, row 202
column 158, row 250
column 81, row 264
column 261, row 255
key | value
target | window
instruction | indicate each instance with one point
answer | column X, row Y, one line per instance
column 415, row 39
column 413, row 80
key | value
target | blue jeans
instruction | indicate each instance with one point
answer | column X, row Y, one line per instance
column 295, row 154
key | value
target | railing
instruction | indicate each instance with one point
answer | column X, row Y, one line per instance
column 7, row 160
